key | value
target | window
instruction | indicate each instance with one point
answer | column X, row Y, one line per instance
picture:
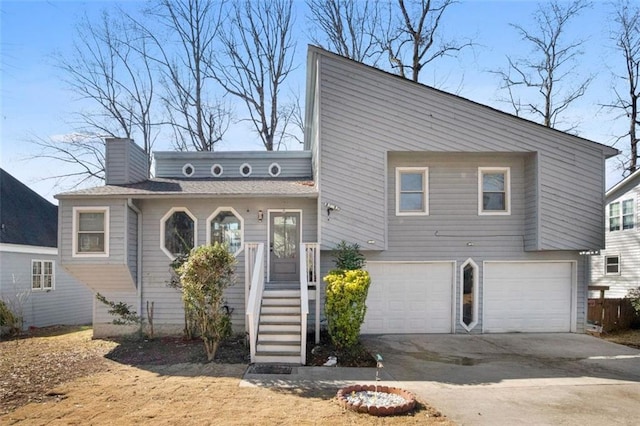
column 178, row 232
column 621, row 217
column 274, row 169
column 91, row 231
column 188, row 170
column 469, row 295
column 216, row 170
column 612, row 265
column 411, row 191
column 226, row 226
column 42, row 275
column 494, row 191
column 245, row 169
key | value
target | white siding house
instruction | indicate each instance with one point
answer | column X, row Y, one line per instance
column 471, row 220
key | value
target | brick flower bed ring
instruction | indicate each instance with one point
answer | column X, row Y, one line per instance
column 376, row 400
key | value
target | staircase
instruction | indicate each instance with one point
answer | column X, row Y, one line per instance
column 279, row 333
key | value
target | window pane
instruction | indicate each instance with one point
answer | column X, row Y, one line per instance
column 285, row 237
column 493, row 201
column 48, row 281
column 467, row 298
column 614, row 223
column 91, row 242
column 179, row 233
column 36, row 268
column 627, row 207
column 91, row 222
column 411, row 181
column 412, row 202
column 226, row 228
column 48, row 268
column 36, row 282
column 627, row 222
column 492, row 182
column 613, row 265
column 614, row 209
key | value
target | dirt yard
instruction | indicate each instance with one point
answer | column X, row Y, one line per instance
column 62, row 376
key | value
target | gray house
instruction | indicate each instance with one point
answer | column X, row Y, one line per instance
column 472, row 220
column 618, row 267
column 31, row 282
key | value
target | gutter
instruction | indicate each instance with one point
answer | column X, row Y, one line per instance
column 139, row 254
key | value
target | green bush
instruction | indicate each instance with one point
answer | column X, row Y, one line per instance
column 345, row 306
column 634, row 296
column 9, row 319
column 348, row 256
column 204, row 276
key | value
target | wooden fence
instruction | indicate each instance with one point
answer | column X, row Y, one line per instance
column 611, row 314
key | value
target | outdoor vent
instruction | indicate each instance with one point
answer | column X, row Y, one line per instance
column 245, row 169
column 274, row 169
column 188, row 170
column 216, row 170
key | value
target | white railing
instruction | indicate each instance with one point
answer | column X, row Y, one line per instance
column 304, row 303
column 254, row 283
column 310, row 278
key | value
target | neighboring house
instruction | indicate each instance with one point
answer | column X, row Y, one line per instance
column 31, row 282
column 471, row 220
column 618, row 266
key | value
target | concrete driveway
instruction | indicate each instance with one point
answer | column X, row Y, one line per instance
column 509, row 379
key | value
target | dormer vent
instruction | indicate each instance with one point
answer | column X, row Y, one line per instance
column 216, row 170
column 245, row 170
column 274, row 169
column 188, row 170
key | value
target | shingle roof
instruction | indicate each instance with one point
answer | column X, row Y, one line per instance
column 155, row 188
column 25, row 217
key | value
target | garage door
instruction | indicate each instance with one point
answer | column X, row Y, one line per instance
column 527, row 297
column 409, row 298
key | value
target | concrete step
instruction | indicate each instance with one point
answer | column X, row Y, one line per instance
column 279, row 309
column 274, row 346
column 278, row 357
column 278, row 336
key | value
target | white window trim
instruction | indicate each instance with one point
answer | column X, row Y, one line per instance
column 425, row 190
column 74, row 243
column 184, row 170
column 237, row 215
column 242, row 167
column 507, row 189
column 476, row 295
column 218, row 174
column 621, row 216
column 53, row 275
column 279, row 169
column 619, row 264
column 163, row 228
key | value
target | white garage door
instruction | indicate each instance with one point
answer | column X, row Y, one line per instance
column 527, row 297
column 409, row 298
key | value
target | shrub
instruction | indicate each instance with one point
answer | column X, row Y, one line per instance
column 634, row 296
column 345, row 306
column 203, row 277
column 348, row 256
column 124, row 313
column 9, row 319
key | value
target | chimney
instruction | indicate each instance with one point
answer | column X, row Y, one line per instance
column 125, row 162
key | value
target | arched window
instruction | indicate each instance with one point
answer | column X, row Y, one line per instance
column 226, row 226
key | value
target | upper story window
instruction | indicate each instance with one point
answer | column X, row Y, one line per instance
column 245, row 170
column 494, row 191
column 412, row 185
column 178, row 232
column 621, row 215
column 188, row 170
column 42, row 277
column 274, row 169
column 91, row 231
column 226, row 226
column 217, row 170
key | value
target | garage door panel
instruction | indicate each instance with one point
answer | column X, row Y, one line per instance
column 527, row 297
column 409, row 298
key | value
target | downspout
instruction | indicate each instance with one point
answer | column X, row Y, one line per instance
column 139, row 254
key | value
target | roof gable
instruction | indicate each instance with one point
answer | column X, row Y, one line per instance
column 625, row 185
column 25, row 217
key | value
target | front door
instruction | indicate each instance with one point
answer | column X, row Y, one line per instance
column 284, row 247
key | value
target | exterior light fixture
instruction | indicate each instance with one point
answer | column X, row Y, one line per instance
column 260, row 216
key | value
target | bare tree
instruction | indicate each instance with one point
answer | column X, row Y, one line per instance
column 552, row 63
column 627, row 41
column 198, row 119
column 412, row 37
column 349, row 27
column 106, row 70
column 258, row 56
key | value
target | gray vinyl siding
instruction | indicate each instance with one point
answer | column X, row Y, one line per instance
column 623, row 243
column 293, row 164
column 531, row 207
column 69, row 303
column 125, row 162
column 364, row 113
column 132, row 243
column 98, row 272
column 167, row 302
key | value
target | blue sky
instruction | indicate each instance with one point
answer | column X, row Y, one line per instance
column 35, row 102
